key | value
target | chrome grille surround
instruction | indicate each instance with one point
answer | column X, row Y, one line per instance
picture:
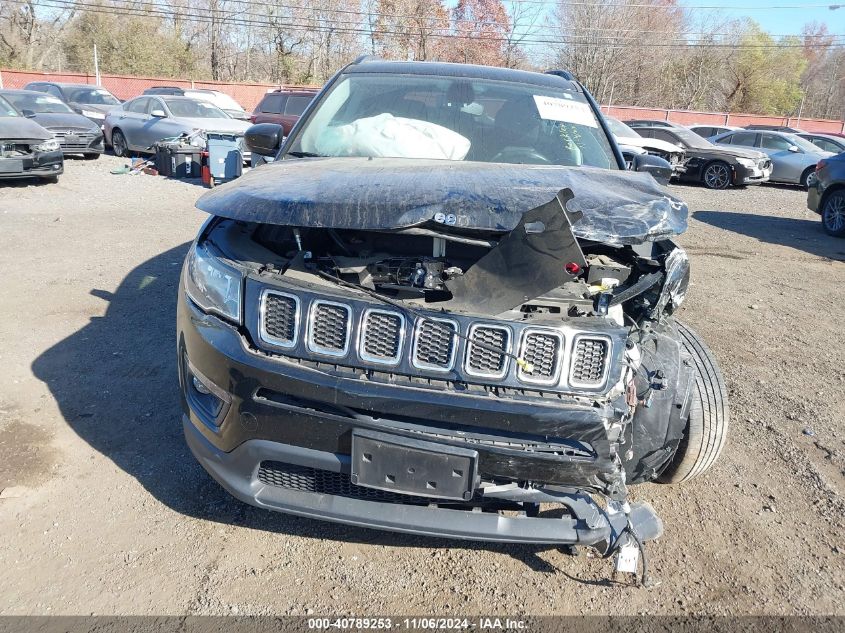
column 435, row 340
column 329, row 321
column 590, row 357
column 534, row 347
column 267, row 297
column 391, row 326
column 481, row 361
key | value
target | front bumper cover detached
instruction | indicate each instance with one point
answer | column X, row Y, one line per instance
column 300, row 418
column 588, row 524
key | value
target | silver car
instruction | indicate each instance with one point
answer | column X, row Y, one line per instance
column 793, row 158
column 141, row 122
column 826, row 142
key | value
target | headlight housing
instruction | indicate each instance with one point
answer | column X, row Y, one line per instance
column 676, row 283
column 747, row 162
column 92, row 114
column 212, row 285
column 51, row 145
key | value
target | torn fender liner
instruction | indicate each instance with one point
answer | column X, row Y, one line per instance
column 528, row 262
column 619, row 207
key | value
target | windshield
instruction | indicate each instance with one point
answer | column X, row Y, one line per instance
column 617, row 128
column 380, row 115
column 6, row 108
column 40, row 103
column 803, row 143
column 192, row 109
column 93, row 96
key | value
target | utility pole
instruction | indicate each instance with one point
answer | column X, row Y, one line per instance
column 96, row 67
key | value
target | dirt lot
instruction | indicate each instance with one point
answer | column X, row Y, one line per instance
column 106, row 511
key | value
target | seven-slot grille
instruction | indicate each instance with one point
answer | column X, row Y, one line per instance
column 588, row 362
column 542, row 350
column 73, row 139
column 328, row 328
column 380, row 339
column 434, row 344
column 280, row 319
column 382, row 335
column 489, row 347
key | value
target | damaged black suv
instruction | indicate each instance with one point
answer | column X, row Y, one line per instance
column 446, row 308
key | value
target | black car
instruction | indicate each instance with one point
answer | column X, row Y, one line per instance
column 443, row 306
column 173, row 91
column 638, row 123
column 26, row 148
column 715, row 166
column 93, row 102
column 75, row 133
column 826, row 194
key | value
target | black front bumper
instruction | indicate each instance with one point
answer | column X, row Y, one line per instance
column 275, row 412
column 40, row 165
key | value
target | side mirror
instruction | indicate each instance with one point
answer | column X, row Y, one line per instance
column 29, row 114
column 159, row 114
column 264, row 138
column 659, row 168
column 794, row 149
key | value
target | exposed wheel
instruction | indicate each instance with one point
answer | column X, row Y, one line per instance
column 91, row 156
column 833, row 213
column 806, row 176
column 707, row 427
column 118, row 144
column 717, row 175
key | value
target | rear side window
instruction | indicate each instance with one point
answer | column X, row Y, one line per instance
column 826, row 145
column 54, row 91
column 272, row 104
column 296, row 105
column 773, row 141
column 705, row 131
column 748, row 139
column 139, row 106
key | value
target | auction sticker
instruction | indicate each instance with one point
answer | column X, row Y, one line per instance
column 556, row 109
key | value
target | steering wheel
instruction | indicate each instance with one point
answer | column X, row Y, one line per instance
column 521, row 155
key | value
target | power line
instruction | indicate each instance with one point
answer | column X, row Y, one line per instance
column 335, row 26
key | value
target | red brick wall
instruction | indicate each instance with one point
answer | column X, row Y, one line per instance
column 249, row 94
column 125, row 87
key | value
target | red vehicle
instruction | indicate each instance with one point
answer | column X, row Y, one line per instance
column 283, row 107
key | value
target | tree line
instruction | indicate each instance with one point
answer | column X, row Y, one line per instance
column 654, row 54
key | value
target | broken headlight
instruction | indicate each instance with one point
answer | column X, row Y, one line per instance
column 677, row 280
column 50, row 145
column 212, row 285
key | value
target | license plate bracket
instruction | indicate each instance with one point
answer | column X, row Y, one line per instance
column 414, row 467
column 11, row 166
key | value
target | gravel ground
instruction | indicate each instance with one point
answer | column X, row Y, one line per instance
column 104, row 510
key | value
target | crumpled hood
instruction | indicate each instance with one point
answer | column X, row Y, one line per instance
column 649, row 143
column 619, row 207
column 14, row 128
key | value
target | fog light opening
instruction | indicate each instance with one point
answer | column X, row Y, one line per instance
column 200, row 387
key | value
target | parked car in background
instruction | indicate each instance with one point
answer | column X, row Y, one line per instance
column 283, row 106
column 93, row 102
column 75, row 133
column 141, row 122
column 216, row 97
column 773, row 128
column 825, row 142
column 635, row 123
column 26, row 148
column 708, row 131
column 793, row 158
column 627, row 137
column 826, row 194
column 714, row 166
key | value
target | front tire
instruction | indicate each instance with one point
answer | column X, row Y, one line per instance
column 833, row 214
column 707, row 426
column 805, row 177
column 717, row 175
column 118, row 144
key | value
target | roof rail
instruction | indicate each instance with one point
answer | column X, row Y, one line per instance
column 561, row 73
column 367, row 58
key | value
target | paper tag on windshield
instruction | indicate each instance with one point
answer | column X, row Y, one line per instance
column 555, row 109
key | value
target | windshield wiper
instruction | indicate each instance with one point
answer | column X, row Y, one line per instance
column 305, row 155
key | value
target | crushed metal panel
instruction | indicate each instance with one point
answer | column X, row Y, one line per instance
column 527, row 262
